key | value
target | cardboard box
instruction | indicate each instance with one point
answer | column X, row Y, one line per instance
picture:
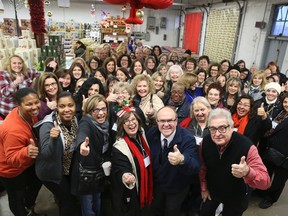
column 27, row 34
column 24, row 44
column 11, row 51
column 4, row 54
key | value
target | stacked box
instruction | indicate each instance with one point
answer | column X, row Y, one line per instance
column 27, row 34
column 55, row 40
column 4, row 54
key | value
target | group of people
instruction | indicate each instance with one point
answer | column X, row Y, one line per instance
column 178, row 132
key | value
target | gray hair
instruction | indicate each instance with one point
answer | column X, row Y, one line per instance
column 175, row 67
column 197, row 100
column 220, row 113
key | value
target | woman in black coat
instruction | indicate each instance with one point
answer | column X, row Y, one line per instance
column 131, row 167
column 93, row 149
column 277, row 139
column 248, row 120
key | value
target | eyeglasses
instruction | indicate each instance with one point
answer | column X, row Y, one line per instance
column 128, row 121
column 220, row 129
column 93, row 62
column 104, row 109
column 177, row 92
column 244, row 105
column 121, row 93
column 168, row 121
column 50, row 85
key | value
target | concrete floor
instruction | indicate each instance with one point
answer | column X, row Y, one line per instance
column 46, row 205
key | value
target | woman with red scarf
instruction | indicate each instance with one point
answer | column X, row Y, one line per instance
column 131, row 167
column 249, row 121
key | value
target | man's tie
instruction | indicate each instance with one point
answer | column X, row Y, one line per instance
column 165, row 146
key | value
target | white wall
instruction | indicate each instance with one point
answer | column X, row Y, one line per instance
column 80, row 12
column 252, row 45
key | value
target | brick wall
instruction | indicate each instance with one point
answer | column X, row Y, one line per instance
column 221, row 33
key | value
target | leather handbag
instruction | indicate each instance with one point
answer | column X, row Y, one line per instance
column 274, row 156
column 90, row 178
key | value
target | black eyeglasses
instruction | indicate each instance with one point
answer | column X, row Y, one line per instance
column 104, row 109
column 220, row 129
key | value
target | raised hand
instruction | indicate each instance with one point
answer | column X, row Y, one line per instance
column 32, row 149
column 54, row 132
column 240, row 170
column 84, row 147
column 84, row 99
column 261, row 112
column 51, row 104
column 19, row 79
column 175, row 157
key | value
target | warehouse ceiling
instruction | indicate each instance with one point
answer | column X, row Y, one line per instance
column 181, row 4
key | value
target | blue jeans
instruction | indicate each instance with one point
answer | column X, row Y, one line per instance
column 91, row 204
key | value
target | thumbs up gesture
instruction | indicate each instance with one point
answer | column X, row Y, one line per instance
column 51, row 104
column 54, row 132
column 175, row 157
column 261, row 112
column 84, row 147
column 240, row 170
column 32, row 149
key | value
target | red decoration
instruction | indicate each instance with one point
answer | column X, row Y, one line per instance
column 37, row 15
column 138, row 4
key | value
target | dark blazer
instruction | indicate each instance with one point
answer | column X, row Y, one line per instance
column 166, row 176
column 278, row 138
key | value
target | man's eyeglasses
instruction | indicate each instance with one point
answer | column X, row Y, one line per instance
column 104, row 109
column 168, row 121
column 220, row 129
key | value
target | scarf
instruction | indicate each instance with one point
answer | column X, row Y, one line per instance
column 104, row 129
column 240, row 123
column 278, row 119
column 69, row 139
column 146, row 178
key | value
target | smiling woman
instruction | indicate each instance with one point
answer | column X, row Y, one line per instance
column 93, row 131
column 48, row 90
column 131, row 170
column 15, row 76
column 18, row 150
column 57, row 135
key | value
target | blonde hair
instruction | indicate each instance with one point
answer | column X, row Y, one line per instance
column 261, row 75
column 7, row 66
column 188, row 79
column 139, row 78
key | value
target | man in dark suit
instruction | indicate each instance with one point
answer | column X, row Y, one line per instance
column 174, row 160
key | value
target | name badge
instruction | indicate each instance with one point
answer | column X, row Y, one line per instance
column 147, row 161
column 274, row 124
column 198, row 140
column 114, row 127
